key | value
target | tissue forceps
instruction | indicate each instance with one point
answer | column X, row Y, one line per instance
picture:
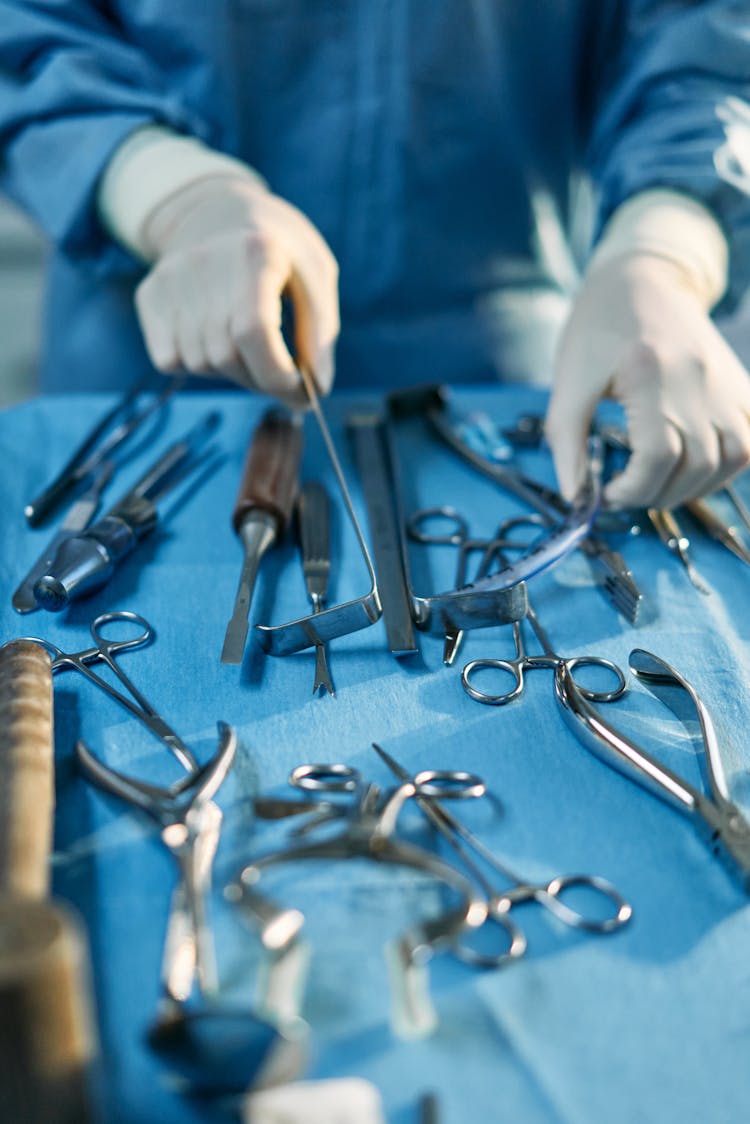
column 500, row 903
column 105, row 651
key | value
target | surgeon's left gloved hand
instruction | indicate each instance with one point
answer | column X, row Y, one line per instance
column 223, row 250
column 640, row 332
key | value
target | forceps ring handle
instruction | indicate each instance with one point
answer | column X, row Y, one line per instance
column 516, row 945
column 549, row 897
column 457, row 534
column 449, row 784
column 325, row 778
column 513, row 668
column 574, row 662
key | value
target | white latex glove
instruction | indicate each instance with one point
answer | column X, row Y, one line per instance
column 224, row 248
column 640, row 333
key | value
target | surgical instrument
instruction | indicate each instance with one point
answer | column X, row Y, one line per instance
column 499, row 598
column 86, row 561
column 215, row 1047
column 455, row 532
column 183, row 814
column 88, row 457
column 718, row 530
column 522, row 661
column 105, row 651
column 266, row 495
column 428, row 786
column 48, row 1034
column 739, row 504
column 610, row 571
column 314, row 530
column 370, row 438
column 671, row 534
column 718, row 820
column 336, row 620
column 77, row 519
column 368, row 831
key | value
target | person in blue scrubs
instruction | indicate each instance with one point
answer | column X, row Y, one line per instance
column 410, row 175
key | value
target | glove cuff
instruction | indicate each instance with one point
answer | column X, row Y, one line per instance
column 673, row 226
column 151, row 165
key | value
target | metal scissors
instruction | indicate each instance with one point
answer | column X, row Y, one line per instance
column 717, row 819
column 368, row 831
column 523, row 661
column 431, row 785
column 105, row 651
column 456, row 534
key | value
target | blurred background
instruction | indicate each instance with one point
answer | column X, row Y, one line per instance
column 21, row 279
column 22, row 252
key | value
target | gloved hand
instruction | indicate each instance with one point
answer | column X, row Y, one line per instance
column 640, row 333
column 224, row 250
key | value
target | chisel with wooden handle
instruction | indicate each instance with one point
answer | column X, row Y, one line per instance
column 265, row 499
column 47, row 1031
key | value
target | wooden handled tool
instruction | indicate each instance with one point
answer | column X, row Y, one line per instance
column 47, row 1036
column 262, row 510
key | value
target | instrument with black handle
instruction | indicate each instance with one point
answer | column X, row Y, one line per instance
column 268, row 489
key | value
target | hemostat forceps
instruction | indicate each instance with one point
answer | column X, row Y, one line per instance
column 431, row 785
column 104, row 651
column 523, row 662
column 717, row 819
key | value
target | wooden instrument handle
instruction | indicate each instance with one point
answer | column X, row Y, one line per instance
column 27, row 793
column 271, row 471
column 48, row 1040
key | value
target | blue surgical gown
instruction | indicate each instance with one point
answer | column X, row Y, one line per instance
column 439, row 146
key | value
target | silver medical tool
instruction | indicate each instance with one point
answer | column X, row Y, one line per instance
column 500, row 597
column 370, row 438
column 719, row 821
column 78, row 518
column 522, row 661
column 612, row 575
column 671, row 534
column 455, row 532
column 86, row 561
column 215, row 1047
column 369, row 823
column 336, row 620
column 105, row 651
column 189, row 827
column 88, row 457
column 314, row 532
column 724, row 533
column 430, row 788
column 739, row 504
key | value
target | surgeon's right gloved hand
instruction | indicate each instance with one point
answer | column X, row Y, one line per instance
column 223, row 249
column 640, row 333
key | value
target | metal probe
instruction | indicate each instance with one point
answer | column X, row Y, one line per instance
column 264, row 504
